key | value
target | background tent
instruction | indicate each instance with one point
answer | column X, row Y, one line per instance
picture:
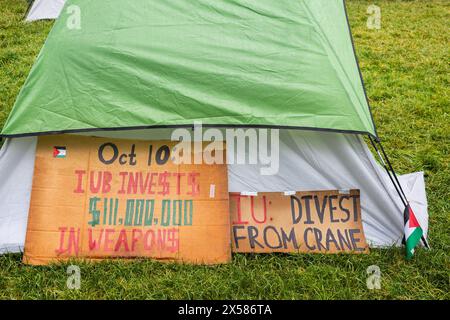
column 44, row 9
column 150, row 65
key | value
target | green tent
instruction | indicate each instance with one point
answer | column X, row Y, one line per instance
column 118, row 65
column 147, row 64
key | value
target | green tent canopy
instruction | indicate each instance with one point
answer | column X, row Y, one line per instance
column 150, row 63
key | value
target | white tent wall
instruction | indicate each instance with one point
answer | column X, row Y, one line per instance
column 44, row 9
column 16, row 176
column 308, row 161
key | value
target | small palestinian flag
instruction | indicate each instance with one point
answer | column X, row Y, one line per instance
column 59, row 152
column 413, row 232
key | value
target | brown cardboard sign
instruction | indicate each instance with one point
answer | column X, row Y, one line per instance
column 100, row 198
column 316, row 221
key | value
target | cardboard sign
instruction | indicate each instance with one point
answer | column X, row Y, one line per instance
column 320, row 221
column 101, row 198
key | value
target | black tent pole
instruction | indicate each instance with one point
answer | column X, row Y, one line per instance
column 397, row 188
column 30, row 4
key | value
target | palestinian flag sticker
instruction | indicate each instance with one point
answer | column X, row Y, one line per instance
column 413, row 232
column 59, row 152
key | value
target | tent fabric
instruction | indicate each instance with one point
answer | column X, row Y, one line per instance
column 16, row 172
column 308, row 161
column 141, row 63
column 44, row 9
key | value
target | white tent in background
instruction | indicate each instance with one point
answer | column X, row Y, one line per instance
column 44, row 9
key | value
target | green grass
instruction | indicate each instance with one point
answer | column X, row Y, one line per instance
column 406, row 70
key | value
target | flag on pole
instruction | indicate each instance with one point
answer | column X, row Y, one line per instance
column 413, row 232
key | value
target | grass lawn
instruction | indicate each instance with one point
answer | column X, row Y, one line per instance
column 406, row 69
